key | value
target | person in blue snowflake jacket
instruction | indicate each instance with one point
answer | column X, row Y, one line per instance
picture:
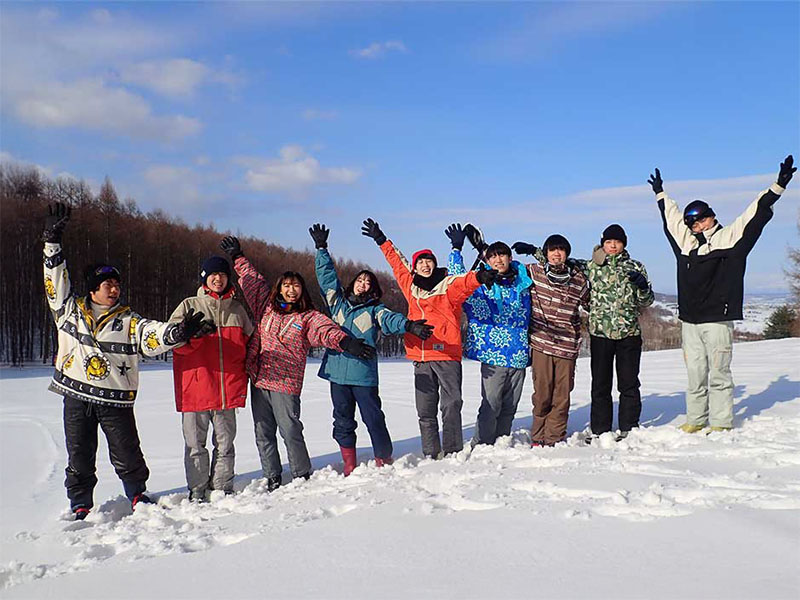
column 497, row 331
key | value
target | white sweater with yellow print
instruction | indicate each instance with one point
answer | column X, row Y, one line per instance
column 98, row 358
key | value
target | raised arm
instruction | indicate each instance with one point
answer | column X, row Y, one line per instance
column 679, row 235
column 328, row 280
column 400, row 267
column 253, row 284
column 57, row 285
column 746, row 229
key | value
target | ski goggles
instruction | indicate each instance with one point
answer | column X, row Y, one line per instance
column 107, row 270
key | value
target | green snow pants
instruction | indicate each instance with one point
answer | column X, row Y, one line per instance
column 707, row 350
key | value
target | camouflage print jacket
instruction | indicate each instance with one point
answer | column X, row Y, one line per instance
column 615, row 302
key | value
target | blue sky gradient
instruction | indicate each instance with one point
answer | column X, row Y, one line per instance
column 525, row 118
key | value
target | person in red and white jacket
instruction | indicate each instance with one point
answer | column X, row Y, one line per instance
column 211, row 380
column 287, row 326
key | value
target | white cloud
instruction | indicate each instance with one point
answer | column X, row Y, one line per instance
column 379, row 49
column 91, row 104
column 311, row 114
column 635, row 203
column 177, row 186
column 9, row 159
column 172, row 77
column 552, row 25
column 293, row 171
column 61, row 75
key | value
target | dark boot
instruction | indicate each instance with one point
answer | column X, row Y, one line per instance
column 273, row 483
column 81, row 512
column 141, row 498
column 349, row 458
column 380, row 462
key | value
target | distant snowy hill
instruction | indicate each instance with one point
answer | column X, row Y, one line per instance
column 756, row 310
column 662, row 514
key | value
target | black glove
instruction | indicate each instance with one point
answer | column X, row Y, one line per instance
column 457, row 235
column 639, row 280
column 319, row 233
column 475, row 237
column 358, row 348
column 656, row 182
column 208, row 326
column 524, row 248
column 487, row 277
column 230, row 245
column 787, row 170
column 191, row 325
column 58, row 215
column 371, row 229
column 419, row 328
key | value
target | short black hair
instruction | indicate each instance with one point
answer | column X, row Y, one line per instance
column 497, row 248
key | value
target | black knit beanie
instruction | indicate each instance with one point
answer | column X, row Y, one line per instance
column 214, row 264
column 556, row 241
column 614, row 232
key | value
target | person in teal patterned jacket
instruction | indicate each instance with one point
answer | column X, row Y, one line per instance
column 497, row 333
column 620, row 290
column 358, row 310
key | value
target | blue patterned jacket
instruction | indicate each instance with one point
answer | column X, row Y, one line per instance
column 497, row 318
column 364, row 321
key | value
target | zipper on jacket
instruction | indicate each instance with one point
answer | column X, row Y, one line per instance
column 221, row 359
column 419, row 306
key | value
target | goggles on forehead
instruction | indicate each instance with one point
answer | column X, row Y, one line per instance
column 107, row 270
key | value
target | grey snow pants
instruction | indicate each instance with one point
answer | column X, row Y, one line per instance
column 434, row 382
column 276, row 411
column 501, row 389
column 200, row 475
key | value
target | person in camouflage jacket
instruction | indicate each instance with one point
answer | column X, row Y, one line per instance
column 620, row 289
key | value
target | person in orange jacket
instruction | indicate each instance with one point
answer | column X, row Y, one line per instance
column 433, row 295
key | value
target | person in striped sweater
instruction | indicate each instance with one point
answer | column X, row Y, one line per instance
column 558, row 293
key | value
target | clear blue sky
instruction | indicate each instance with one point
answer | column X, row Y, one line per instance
column 526, row 118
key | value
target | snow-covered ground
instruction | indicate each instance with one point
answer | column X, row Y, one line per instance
column 662, row 514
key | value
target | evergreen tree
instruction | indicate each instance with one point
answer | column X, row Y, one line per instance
column 780, row 323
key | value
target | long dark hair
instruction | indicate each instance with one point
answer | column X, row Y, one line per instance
column 276, row 300
column 375, row 292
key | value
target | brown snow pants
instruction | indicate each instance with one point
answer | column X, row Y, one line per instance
column 553, row 380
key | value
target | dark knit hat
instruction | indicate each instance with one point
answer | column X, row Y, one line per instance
column 97, row 273
column 555, row 242
column 214, row 264
column 497, row 248
column 614, row 232
column 424, row 253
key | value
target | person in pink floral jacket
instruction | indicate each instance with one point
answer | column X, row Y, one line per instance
column 287, row 326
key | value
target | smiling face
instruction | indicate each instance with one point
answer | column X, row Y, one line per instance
column 425, row 266
column 556, row 256
column 362, row 284
column 613, row 247
column 107, row 294
column 499, row 262
column 703, row 224
column 217, row 282
column 291, row 289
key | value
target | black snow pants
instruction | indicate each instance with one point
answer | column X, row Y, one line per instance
column 628, row 353
column 80, row 430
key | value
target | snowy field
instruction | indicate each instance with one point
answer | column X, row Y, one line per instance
column 662, row 514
